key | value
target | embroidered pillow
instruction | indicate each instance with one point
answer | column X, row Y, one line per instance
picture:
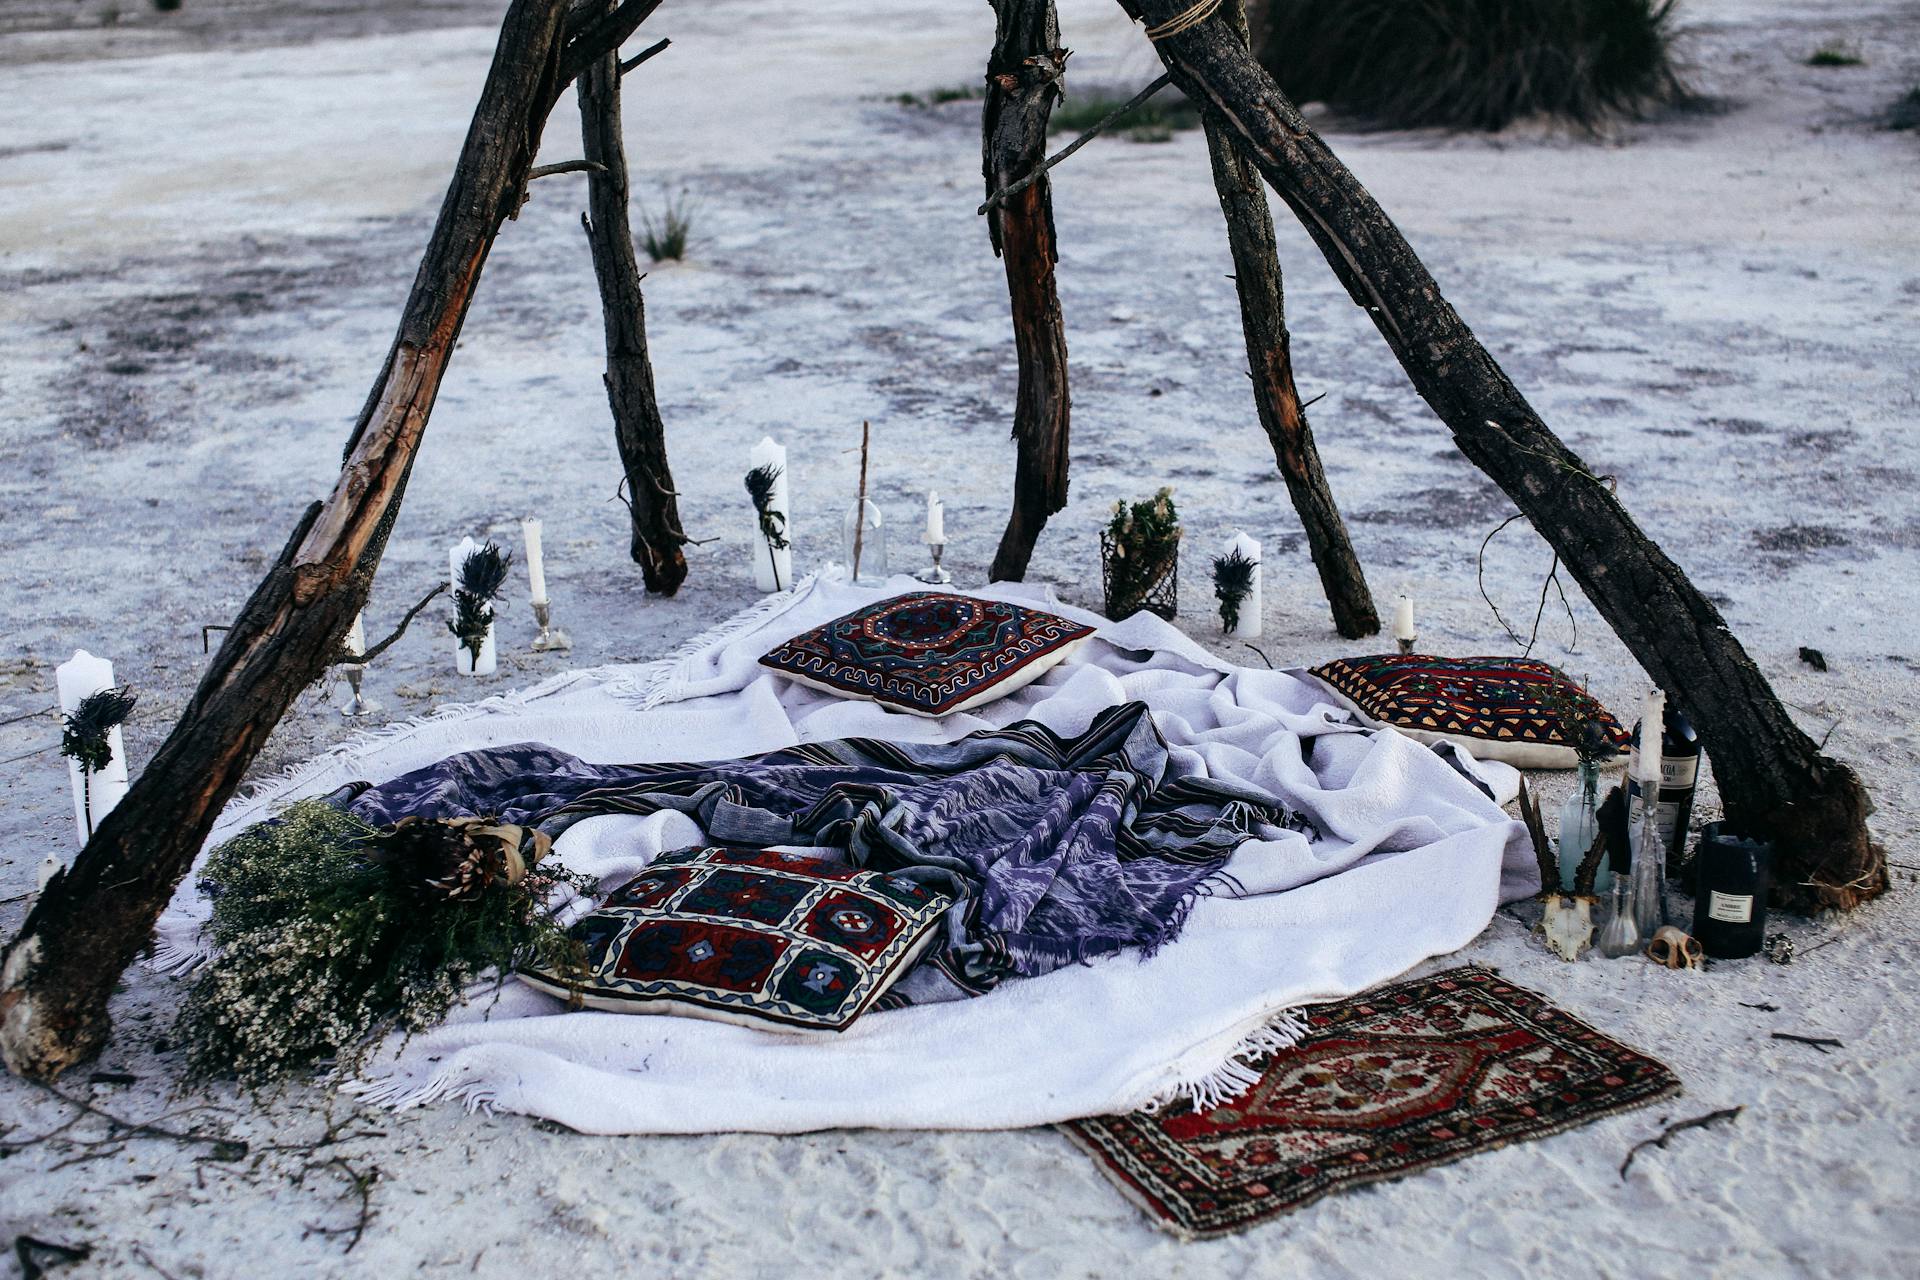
column 1497, row 708
column 775, row 940
column 929, row 652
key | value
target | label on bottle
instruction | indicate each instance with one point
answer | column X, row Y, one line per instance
column 1731, row 908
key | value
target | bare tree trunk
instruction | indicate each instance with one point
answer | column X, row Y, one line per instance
column 89, row 923
column 637, row 428
column 1772, row 777
column 1263, row 317
column 1023, row 83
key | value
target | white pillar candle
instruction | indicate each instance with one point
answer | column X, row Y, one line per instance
column 93, row 797
column 536, row 562
column 463, row 659
column 1250, row 608
column 772, row 568
column 1653, row 721
column 936, row 520
column 1403, row 620
column 356, row 641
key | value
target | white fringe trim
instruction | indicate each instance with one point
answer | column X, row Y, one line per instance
column 399, row 1093
column 1233, row 1075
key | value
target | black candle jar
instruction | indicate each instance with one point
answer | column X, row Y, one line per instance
column 1731, row 877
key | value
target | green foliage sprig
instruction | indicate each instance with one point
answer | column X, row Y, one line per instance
column 332, row 932
column 482, row 574
column 1232, row 584
column 1145, row 541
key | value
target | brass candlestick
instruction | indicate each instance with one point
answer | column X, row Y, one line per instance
column 550, row 637
column 936, row 574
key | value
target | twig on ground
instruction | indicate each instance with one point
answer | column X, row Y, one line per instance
column 26, row 1247
column 27, row 715
column 1263, row 656
column 1001, row 196
column 147, row 1258
column 1822, row 1043
column 360, row 1184
column 1762, row 1007
column 1679, row 1126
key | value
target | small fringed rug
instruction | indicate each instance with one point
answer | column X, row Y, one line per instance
column 1390, row 1082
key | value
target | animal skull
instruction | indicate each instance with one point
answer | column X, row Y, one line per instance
column 1675, row 949
column 1567, row 924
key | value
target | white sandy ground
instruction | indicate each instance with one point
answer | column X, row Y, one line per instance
column 202, row 253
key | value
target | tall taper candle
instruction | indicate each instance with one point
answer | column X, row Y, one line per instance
column 772, row 569
column 536, row 565
column 936, row 521
column 1249, row 628
column 356, row 641
column 77, row 679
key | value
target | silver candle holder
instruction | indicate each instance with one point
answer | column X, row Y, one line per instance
column 550, row 637
column 358, row 705
column 1407, row 643
column 935, row 574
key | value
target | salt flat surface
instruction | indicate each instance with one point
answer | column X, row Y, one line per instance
column 205, row 235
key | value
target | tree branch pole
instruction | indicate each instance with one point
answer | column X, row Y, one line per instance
column 1772, row 777
column 1023, row 83
column 57, row 974
column 656, row 537
column 1263, row 319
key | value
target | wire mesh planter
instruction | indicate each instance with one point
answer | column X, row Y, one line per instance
column 1136, row 581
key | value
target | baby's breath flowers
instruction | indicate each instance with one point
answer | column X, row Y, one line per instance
column 331, row 932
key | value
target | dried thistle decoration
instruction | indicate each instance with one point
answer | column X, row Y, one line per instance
column 773, row 523
column 482, row 574
column 1579, row 714
column 1232, row 584
column 332, row 933
column 84, row 738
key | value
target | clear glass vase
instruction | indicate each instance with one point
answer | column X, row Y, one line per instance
column 1579, row 828
column 1619, row 935
column 863, row 538
column 1649, row 889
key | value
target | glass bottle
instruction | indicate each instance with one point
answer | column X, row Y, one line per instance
column 1579, row 827
column 1732, row 879
column 1679, row 776
column 863, row 538
column 1648, row 892
column 1619, row 935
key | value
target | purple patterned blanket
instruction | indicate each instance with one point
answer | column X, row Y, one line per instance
column 1058, row 849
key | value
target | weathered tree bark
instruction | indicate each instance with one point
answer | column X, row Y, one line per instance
column 89, row 923
column 1263, row 317
column 637, row 428
column 1023, row 83
column 1772, row 777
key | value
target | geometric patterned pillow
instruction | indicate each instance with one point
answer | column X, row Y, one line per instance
column 929, row 653
column 1497, row 708
column 776, row 940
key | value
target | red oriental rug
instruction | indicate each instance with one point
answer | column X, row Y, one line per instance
column 1385, row 1084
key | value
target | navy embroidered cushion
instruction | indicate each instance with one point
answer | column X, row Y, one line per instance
column 929, row 652
column 1507, row 709
column 751, row 936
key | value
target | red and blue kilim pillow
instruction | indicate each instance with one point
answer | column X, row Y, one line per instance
column 749, row 936
column 1507, row 709
column 929, row 652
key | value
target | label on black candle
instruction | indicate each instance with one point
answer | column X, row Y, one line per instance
column 1732, row 908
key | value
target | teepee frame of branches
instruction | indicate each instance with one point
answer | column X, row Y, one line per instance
column 58, row 972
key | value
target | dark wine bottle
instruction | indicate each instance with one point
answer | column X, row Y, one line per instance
column 1731, row 882
column 1679, row 773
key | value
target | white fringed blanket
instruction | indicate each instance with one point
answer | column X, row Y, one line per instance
column 1414, row 862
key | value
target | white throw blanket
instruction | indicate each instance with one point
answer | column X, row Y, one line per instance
column 1414, row 861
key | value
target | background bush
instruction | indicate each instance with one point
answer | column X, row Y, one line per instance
column 1473, row 64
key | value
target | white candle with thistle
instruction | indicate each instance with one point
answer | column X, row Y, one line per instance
column 1403, row 630
column 1236, row 585
column 477, row 572
column 93, row 708
column 771, row 541
column 936, row 534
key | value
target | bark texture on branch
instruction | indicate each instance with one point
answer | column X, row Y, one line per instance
column 1023, row 83
column 641, row 436
column 1772, row 777
column 1263, row 317
column 90, row 922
